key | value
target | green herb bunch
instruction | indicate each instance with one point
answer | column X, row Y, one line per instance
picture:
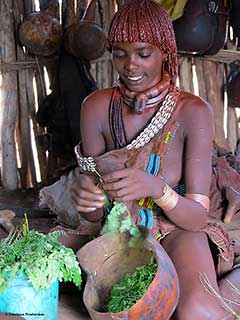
column 41, row 257
column 118, row 220
column 134, row 285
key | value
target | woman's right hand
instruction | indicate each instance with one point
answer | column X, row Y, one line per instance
column 87, row 197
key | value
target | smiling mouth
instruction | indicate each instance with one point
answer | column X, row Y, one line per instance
column 137, row 78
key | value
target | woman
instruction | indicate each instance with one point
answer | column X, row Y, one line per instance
column 152, row 146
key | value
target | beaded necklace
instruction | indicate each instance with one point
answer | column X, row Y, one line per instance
column 163, row 114
column 116, row 123
column 149, row 98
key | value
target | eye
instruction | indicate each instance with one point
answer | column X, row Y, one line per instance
column 118, row 54
column 145, row 55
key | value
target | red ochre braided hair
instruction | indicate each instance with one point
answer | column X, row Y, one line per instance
column 146, row 21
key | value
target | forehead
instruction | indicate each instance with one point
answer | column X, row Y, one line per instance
column 134, row 46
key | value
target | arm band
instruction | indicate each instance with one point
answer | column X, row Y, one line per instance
column 168, row 200
column 200, row 198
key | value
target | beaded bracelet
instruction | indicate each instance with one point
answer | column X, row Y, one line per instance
column 168, row 200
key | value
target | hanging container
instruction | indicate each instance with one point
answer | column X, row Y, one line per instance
column 21, row 299
column 41, row 33
column 108, row 258
column 85, row 39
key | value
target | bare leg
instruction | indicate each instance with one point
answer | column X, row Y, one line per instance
column 229, row 287
column 191, row 256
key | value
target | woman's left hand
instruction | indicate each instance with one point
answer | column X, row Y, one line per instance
column 131, row 184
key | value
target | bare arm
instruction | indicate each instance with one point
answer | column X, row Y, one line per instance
column 190, row 214
column 86, row 195
column 92, row 121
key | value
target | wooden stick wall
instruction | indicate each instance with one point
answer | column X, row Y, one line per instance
column 211, row 76
column 18, row 99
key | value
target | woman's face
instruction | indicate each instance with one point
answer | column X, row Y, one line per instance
column 138, row 64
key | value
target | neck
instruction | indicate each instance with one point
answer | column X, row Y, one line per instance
column 148, row 98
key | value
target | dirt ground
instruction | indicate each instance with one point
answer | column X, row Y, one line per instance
column 70, row 305
column 69, row 308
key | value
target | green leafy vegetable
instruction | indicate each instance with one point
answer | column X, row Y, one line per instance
column 41, row 257
column 119, row 219
column 127, row 292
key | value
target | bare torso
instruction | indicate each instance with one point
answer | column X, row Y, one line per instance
column 193, row 123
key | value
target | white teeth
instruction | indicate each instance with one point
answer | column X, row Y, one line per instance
column 135, row 78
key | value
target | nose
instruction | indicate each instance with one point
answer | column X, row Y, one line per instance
column 131, row 63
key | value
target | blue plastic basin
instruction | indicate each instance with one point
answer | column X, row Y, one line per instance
column 20, row 298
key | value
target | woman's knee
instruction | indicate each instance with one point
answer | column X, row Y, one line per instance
column 199, row 307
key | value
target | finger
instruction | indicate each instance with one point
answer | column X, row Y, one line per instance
column 89, row 203
column 116, row 175
column 85, row 209
column 88, row 194
column 86, row 206
column 82, row 209
column 125, row 198
column 89, row 200
column 92, row 189
column 124, row 193
column 117, row 185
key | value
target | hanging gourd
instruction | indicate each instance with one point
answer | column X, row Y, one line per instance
column 85, row 39
column 202, row 28
column 41, row 33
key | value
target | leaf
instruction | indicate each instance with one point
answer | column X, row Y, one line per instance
column 133, row 286
column 25, row 227
column 119, row 221
column 41, row 257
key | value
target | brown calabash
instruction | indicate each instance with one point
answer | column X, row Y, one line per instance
column 41, row 33
column 108, row 258
column 85, row 40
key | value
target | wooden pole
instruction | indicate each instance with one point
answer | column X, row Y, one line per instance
column 213, row 74
column 232, row 129
column 9, row 98
column 201, row 79
column 185, row 74
column 27, row 169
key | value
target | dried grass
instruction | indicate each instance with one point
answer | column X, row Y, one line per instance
column 226, row 303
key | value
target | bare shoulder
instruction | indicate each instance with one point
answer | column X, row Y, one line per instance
column 95, row 108
column 195, row 111
column 192, row 102
column 94, row 120
column 97, row 100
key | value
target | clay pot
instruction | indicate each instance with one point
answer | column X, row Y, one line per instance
column 41, row 33
column 108, row 258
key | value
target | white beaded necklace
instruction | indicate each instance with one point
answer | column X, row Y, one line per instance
column 157, row 122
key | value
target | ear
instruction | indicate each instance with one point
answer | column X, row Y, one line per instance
column 164, row 62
